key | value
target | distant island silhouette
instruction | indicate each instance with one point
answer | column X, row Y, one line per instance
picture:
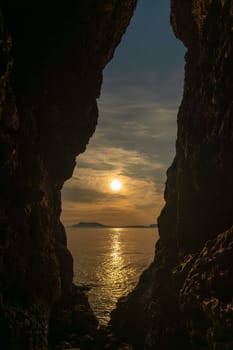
column 98, row 225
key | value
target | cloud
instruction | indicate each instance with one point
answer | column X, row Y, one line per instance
column 137, row 126
column 134, row 142
column 151, row 131
column 132, row 119
column 87, row 195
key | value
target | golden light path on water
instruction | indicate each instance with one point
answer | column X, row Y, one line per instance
column 113, row 277
column 109, row 262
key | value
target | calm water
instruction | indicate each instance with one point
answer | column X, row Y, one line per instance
column 110, row 262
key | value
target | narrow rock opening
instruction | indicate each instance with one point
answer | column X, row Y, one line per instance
column 52, row 58
column 134, row 143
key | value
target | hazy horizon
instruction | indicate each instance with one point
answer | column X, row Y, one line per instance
column 108, row 225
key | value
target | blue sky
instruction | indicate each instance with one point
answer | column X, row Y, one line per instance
column 135, row 138
column 149, row 43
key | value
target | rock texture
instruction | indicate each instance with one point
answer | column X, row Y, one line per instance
column 184, row 300
column 51, row 59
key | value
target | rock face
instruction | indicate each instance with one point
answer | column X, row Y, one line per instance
column 52, row 55
column 184, row 300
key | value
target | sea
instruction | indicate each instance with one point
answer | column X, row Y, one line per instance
column 109, row 261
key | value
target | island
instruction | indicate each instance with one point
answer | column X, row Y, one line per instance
column 98, row 225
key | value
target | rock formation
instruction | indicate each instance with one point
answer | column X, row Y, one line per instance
column 51, row 59
column 184, row 299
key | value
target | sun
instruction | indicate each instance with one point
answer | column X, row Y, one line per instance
column 116, row 185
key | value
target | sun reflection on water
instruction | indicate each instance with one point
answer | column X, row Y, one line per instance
column 111, row 272
column 115, row 249
column 109, row 261
column 115, row 271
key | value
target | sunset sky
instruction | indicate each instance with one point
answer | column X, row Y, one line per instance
column 135, row 138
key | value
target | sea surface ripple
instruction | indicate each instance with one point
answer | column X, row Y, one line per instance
column 109, row 261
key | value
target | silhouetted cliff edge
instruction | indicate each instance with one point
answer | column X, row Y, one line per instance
column 52, row 54
column 184, row 300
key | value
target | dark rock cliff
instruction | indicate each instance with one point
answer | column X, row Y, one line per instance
column 184, row 300
column 51, row 59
